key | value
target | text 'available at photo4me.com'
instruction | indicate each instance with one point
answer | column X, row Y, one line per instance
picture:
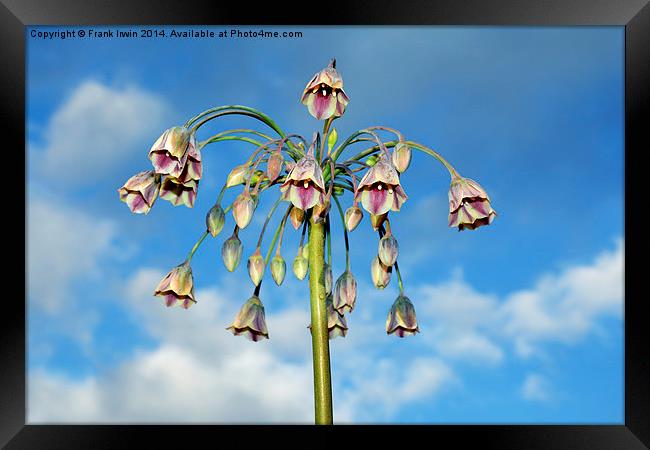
column 162, row 33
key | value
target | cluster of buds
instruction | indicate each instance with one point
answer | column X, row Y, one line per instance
column 177, row 169
column 311, row 182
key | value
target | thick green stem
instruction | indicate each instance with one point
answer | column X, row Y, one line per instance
column 319, row 333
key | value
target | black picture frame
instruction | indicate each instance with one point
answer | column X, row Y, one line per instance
column 634, row 15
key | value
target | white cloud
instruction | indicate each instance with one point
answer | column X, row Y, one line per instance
column 63, row 246
column 535, row 388
column 95, row 129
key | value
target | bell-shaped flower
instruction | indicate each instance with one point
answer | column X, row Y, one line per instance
column 243, row 208
column 401, row 157
column 345, row 292
column 178, row 192
column 274, row 165
column 296, row 215
column 469, row 205
column 379, row 190
column 304, row 186
column 177, row 287
column 193, row 169
column 250, row 321
column 215, row 220
column 256, row 267
column 231, row 252
column 353, row 216
column 140, row 191
column 324, row 95
column 336, row 323
column 380, row 273
column 170, row 151
column 401, row 319
column 300, row 266
column 388, row 250
column 278, row 269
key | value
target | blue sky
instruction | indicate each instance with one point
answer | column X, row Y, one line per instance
column 521, row 321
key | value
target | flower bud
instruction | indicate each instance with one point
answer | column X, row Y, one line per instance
column 401, row 157
column 177, row 286
column 256, row 267
column 338, row 191
column 388, row 250
column 243, row 208
column 336, row 323
column 231, row 252
column 274, row 165
column 353, row 216
column 215, row 220
column 376, row 221
column 250, row 321
column 327, row 275
column 319, row 212
column 380, row 273
column 372, row 160
column 278, row 269
column 238, row 175
column 300, row 266
column 331, row 139
column 401, row 319
column 345, row 292
column 296, row 215
column 305, row 251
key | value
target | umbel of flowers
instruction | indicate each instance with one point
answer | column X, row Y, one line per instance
column 313, row 178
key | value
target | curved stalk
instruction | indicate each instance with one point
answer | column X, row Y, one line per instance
column 196, row 246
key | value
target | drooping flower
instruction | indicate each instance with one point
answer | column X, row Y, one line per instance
column 256, row 267
column 336, row 323
column 177, row 287
column 304, row 186
column 324, row 95
column 345, row 292
column 401, row 319
column 469, row 205
column 215, row 220
column 140, row 191
column 401, row 157
column 380, row 273
column 193, row 169
column 296, row 215
column 250, row 321
column 170, row 151
column 353, row 216
column 231, row 251
column 388, row 250
column 179, row 193
column 380, row 190
column 278, row 269
column 243, row 208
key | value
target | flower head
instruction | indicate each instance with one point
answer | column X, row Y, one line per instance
column 469, row 205
column 170, row 151
column 380, row 190
column 304, row 186
column 178, row 192
column 140, row 191
column 345, row 292
column 324, row 95
column 250, row 321
column 177, row 286
column 401, row 319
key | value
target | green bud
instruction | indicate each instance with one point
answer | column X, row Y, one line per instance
column 256, row 267
column 353, row 216
column 300, row 266
column 331, row 139
column 278, row 269
column 372, row 160
column 231, row 252
column 237, row 175
column 388, row 250
column 401, row 157
column 215, row 219
column 380, row 273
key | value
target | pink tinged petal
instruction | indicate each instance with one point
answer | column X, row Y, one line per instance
column 399, row 197
column 137, row 204
column 170, row 299
column 321, row 106
column 304, row 198
column 376, row 201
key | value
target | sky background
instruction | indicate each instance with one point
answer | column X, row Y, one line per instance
column 521, row 321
